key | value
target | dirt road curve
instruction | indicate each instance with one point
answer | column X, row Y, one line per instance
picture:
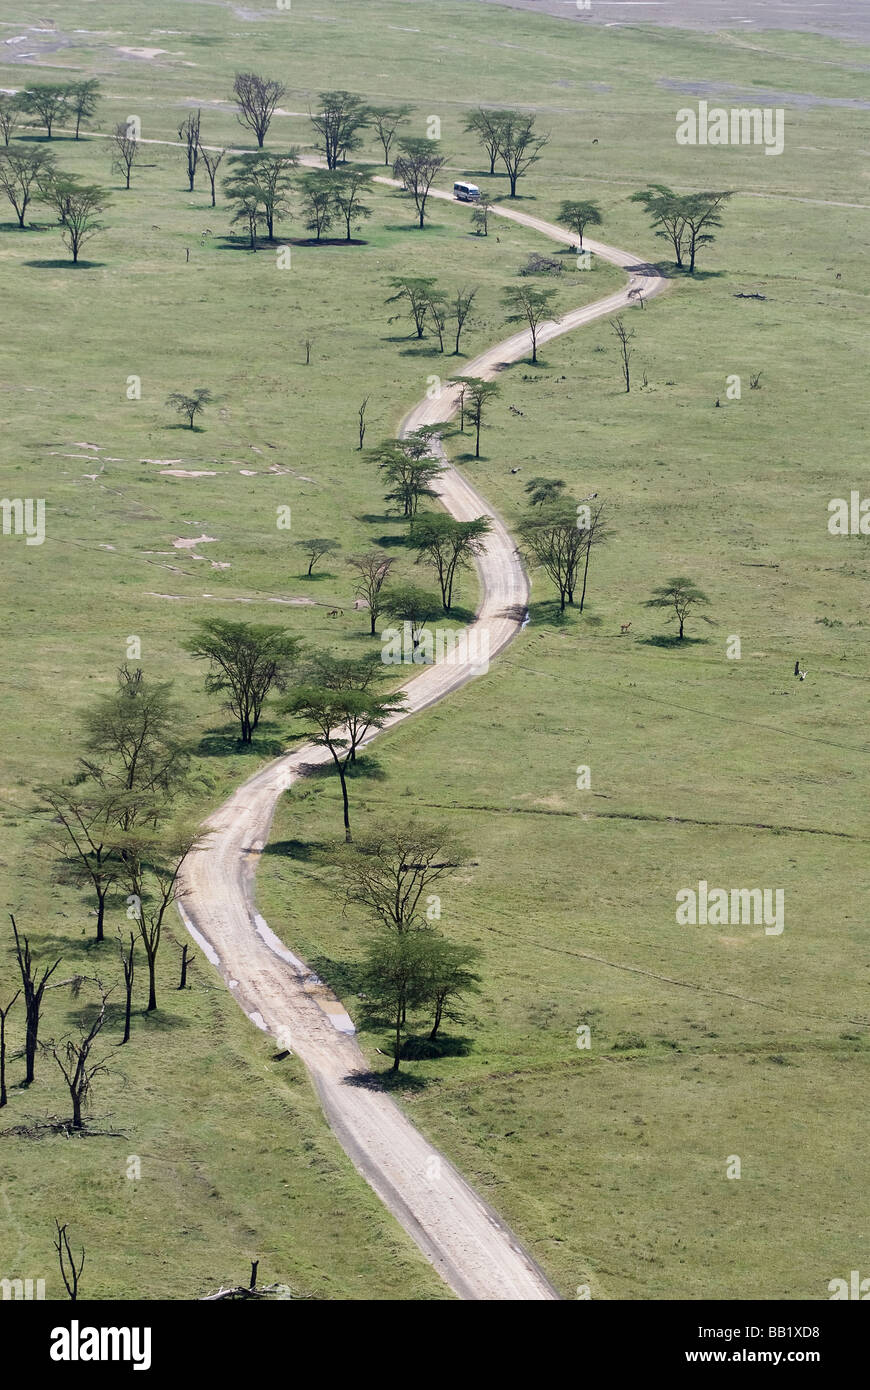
column 472, row 1249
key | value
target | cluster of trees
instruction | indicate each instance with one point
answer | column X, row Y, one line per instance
column 410, row 966
column 29, row 174
column 686, row 220
column 509, row 137
column 425, row 302
column 115, row 830
column 558, row 535
column 51, row 103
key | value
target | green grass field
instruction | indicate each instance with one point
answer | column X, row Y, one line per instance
column 706, row 1042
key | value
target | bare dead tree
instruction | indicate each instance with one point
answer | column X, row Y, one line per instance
column 126, row 150
column 73, row 1056
column 128, row 965
column 3, row 1013
column 33, row 991
column 211, row 159
column 188, row 134
column 257, row 98
column 68, row 1270
column 362, row 422
column 624, row 336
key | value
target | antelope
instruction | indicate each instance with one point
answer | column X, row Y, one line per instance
column 624, row 628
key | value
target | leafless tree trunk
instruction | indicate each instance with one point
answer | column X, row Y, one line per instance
column 128, row 965
column 188, row 134
column 33, row 992
column 73, row 1057
column 3, row 1013
column 625, row 336
column 362, row 422
column 69, row 1273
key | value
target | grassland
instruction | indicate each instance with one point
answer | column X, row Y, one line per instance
column 706, row 1043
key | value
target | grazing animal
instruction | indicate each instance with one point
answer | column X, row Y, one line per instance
column 803, row 675
column 624, row 628
column 514, row 411
column 334, row 612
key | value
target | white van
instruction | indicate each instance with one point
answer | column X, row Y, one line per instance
column 466, row 192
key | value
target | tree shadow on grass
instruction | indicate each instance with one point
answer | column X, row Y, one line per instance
column 189, row 429
column 159, row 1019
column 420, row 1047
column 387, row 1080
column 303, row 851
column 225, row 743
column 667, row 640
column 66, row 265
column 344, row 977
column 366, row 765
column 548, row 613
column 390, row 542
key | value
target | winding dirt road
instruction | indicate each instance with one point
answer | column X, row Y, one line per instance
column 463, row 1237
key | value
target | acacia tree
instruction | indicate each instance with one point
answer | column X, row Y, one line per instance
column 530, row 306
column 318, row 202
column 212, row 161
column 519, row 145
column 541, row 490
column 396, row 978
column 22, row 173
column 682, row 219
column 373, row 570
column 343, row 717
column 449, row 546
column 77, row 206
column 577, row 216
column 316, row 547
column 267, row 175
column 682, row 595
column 48, row 100
column 33, row 987
column 416, row 167
column 487, row 126
column 477, row 395
column 409, row 466
column 132, row 754
column 438, row 310
column 386, row 121
column 417, row 293
column 460, row 307
column 249, row 209
column 257, row 98
column 348, row 187
column 552, row 539
column 666, row 212
column 82, row 99
column 702, row 212
column 3, row 1016
column 81, row 820
column 126, row 150
column 391, row 869
column 414, row 606
column 246, row 661
column 449, row 977
column 339, row 123
column 191, row 405
column 73, row 1055
column 188, row 134
column 10, row 115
